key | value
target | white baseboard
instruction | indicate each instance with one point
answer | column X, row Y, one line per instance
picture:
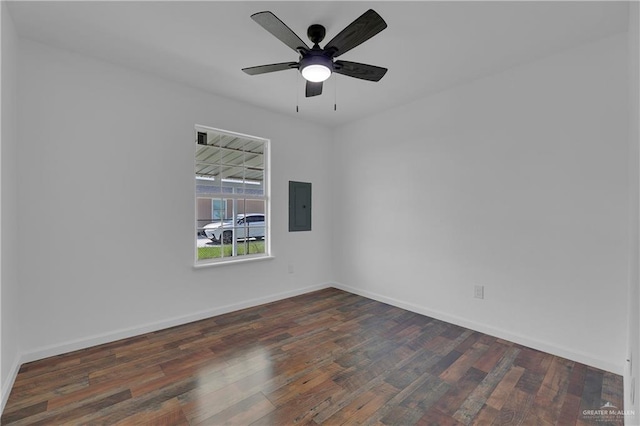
column 8, row 384
column 492, row 331
column 99, row 339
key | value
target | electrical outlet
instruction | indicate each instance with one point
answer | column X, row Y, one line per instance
column 478, row 292
column 290, row 268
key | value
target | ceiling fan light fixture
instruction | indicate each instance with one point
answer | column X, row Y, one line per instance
column 316, row 73
column 316, row 67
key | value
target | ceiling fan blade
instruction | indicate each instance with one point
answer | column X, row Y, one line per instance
column 357, row 70
column 313, row 89
column 279, row 29
column 262, row 69
column 356, row 33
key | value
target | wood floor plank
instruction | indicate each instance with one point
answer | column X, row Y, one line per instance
column 426, row 394
column 491, row 357
column 435, row 417
column 131, row 366
column 17, row 401
column 436, row 388
column 119, row 384
column 362, row 407
column 476, row 400
column 64, row 375
column 550, row 397
column 24, row 412
column 390, row 368
column 327, row 357
column 309, row 381
column 592, row 393
column 244, row 412
column 576, row 381
column 66, row 416
column 611, row 383
column 429, row 337
column 486, row 416
column 400, row 415
column 458, row 393
column 460, row 367
column 501, row 393
column 306, row 405
column 515, row 409
column 471, row 341
column 167, row 413
column 192, row 361
column 121, row 410
column 570, row 411
column 218, row 400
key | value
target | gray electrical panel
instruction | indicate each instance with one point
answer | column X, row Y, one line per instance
column 299, row 206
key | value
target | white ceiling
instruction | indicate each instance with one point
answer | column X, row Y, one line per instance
column 428, row 46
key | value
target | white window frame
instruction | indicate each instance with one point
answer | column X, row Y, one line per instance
column 266, row 197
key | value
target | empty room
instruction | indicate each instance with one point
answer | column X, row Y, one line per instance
column 300, row 212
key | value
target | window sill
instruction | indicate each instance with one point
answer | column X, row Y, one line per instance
column 232, row 261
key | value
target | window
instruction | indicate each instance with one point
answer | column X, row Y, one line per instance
column 232, row 196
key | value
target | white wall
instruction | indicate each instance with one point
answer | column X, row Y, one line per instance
column 9, row 331
column 106, row 201
column 631, row 384
column 517, row 182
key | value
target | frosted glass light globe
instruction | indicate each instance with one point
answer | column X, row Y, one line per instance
column 316, row 73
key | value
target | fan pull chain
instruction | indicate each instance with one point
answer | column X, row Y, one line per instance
column 335, row 93
column 297, row 91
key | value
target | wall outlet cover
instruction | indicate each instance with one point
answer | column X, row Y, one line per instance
column 479, row 292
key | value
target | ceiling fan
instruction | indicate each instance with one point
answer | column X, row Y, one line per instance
column 316, row 64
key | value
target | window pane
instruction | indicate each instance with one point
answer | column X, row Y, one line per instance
column 219, row 209
column 207, row 183
column 255, row 207
column 250, row 246
column 203, row 213
column 206, row 252
column 208, row 154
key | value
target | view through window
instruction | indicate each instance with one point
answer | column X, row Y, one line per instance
column 231, row 196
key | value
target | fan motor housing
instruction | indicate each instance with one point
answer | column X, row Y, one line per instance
column 316, row 33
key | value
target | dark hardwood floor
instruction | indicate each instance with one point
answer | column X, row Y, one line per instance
column 327, row 357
